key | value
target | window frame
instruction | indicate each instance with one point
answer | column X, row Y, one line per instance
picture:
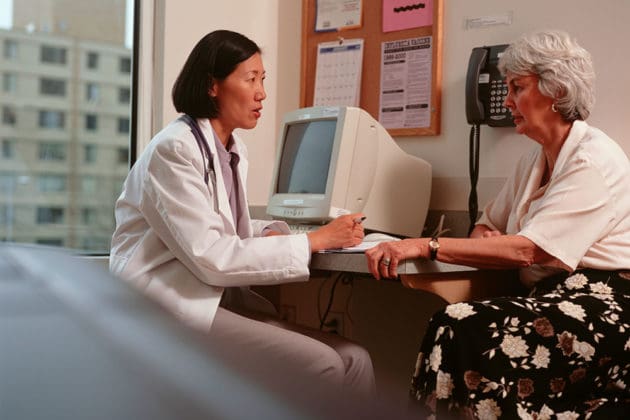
column 53, row 55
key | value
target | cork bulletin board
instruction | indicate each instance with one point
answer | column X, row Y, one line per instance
column 373, row 36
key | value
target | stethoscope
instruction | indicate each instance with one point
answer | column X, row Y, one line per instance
column 203, row 145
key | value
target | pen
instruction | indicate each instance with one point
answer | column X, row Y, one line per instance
column 359, row 219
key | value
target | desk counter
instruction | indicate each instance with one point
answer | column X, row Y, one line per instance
column 453, row 283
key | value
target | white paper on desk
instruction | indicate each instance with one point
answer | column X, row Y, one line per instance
column 338, row 73
column 357, row 249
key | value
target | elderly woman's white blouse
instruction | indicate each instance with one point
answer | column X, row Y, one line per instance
column 582, row 215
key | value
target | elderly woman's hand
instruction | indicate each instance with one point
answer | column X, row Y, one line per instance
column 383, row 259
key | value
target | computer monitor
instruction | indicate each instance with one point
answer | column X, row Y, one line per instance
column 339, row 160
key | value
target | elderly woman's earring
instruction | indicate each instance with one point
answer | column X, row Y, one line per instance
column 553, row 107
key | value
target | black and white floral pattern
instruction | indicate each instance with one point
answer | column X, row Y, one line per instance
column 561, row 353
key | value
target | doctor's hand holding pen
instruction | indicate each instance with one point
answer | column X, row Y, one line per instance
column 342, row 232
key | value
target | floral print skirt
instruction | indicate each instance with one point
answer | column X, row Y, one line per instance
column 563, row 352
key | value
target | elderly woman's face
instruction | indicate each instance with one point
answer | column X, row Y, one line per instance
column 530, row 109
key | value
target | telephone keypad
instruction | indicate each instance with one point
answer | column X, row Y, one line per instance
column 498, row 93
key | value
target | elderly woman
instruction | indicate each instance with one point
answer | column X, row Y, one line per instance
column 562, row 218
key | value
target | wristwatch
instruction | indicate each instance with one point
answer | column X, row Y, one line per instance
column 434, row 245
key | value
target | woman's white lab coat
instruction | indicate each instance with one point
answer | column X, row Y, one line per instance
column 175, row 237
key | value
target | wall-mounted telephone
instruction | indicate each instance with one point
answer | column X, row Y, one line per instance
column 485, row 88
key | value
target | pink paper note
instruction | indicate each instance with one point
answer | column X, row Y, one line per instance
column 405, row 14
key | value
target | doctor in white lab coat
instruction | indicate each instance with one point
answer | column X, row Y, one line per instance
column 184, row 234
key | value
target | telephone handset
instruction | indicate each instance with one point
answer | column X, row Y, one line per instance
column 485, row 88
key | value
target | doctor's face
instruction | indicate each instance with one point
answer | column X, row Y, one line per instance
column 240, row 95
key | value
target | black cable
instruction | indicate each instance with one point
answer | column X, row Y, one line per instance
column 319, row 299
column 348, row 280
column 473, row 163
column 322, row 320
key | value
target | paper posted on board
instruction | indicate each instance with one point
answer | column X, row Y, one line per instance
column 405, row 92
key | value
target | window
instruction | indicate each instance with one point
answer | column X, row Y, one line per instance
column 52, row 55
column 50, row 241
column 125, row 65
column 91, row 122
column 92, row 92
column 9, row 82
column 51, row 183
column 53, row 87
column 97, row 244
column 92, row 60
column 8, row 115
column 52, row 119
column 62, row 93
column 52, row 151
column 89, row 153
column 8, row 148
column 124, row 95
column 49, row 215
column 123, row 125
column 123, row 155
column 10, row 49
column 6, row 216
column 88, row 216
column 89, row 184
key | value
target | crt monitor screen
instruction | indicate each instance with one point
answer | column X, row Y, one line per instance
column 338, row 160
column 306, row 157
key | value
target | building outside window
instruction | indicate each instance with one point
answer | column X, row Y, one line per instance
column 73, row 155
column 92, row 92
column 91, row 122
column 49, row 215
column 89, row 153
column 51, row 183
column 123, row 155
column 10, row 49
column 123, row 125
column 8, row 115
column 8, row 148
column 88, row 216
column 52, row 119
column 124, row 95
column 125, row 65
column 49, row 241
column 92, row 60
column 53, row 55
column 9, row 83
column 52, row 151
column 5, row 215
column 52, row 87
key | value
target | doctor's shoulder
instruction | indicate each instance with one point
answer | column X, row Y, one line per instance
column 174, row 143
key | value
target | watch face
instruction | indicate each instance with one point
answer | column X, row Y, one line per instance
column 434, row 245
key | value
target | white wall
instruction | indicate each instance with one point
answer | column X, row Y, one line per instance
column 275, row 25
column 599, row 26
column 266, row 23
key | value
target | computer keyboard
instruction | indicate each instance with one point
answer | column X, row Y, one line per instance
column 301, row 228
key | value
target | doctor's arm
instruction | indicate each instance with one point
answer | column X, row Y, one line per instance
column 179, row 206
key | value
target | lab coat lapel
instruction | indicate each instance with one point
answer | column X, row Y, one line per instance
column 242, row 189
column 219, row 187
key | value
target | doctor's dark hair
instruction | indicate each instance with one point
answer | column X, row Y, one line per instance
column 214, row 57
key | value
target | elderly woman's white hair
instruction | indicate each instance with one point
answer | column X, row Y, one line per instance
column 565, row 70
